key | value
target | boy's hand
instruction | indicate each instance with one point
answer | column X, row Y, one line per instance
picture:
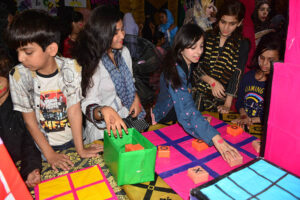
column 113, row 121
column 33, row 178
column 91, row 151
column 59, row 160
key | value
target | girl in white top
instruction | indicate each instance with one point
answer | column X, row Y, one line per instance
column 107, row 81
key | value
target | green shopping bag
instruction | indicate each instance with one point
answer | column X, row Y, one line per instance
column 129, row 167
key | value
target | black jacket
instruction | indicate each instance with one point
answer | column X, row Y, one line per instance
column 18, row 140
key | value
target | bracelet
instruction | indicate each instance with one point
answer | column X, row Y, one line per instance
column 220, row 141
column 213, row 84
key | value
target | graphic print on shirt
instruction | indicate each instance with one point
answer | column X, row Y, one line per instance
column 254, row 101
column 53, row 107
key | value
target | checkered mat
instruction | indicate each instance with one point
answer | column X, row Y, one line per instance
column 154, row 190
column 183, row 156
column 79, row 163
column 255, row 129
column 257, row 180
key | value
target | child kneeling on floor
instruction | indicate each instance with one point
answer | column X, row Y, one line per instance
column 46, row 88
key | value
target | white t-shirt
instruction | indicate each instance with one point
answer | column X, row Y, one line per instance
column 53, row 110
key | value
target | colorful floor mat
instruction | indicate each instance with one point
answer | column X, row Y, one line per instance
column 79, row 163
column 255, row 129
column 173, row 170
column 154, row 190
column 256, row 180
column 87, row 184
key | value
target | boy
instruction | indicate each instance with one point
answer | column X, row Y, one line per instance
column 46, row 88
column 13, row 132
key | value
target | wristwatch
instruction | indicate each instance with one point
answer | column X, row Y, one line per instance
column 101, row 117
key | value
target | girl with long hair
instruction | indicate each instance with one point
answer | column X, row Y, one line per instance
column 251, row 94
column 175, row 102
column 217, row 76
column 107, row 81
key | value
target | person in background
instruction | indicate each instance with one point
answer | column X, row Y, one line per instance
column 252, row 91
column 13, row 132
column 131, row 33
column 7, row 11
column 167, row 25
column 175, row 102
column 204, row 12
column 217, row 77
column 148, row 29
column 261, row 19
column 159, row 41
column 75, row 25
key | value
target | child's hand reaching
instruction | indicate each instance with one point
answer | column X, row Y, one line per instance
column 33, row 178
column 223, row 109
column 227, row 152
column 242, row 121
column 136, row 107
column 59, row 160
column 113, row 121
column 91, row 151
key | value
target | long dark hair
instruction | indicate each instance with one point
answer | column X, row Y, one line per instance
column 94, row 40
column 270, row 41
column 254, row 16
column 231, row 8
column 186, row 37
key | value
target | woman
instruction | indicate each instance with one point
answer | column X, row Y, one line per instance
column 204, row 11
column 107, row 81
column 167, row 25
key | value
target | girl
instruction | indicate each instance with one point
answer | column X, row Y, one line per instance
column 167, row 25
column 251, row 94
column 217, row 77
column 204, row 11
column 107, row 81
column 175, row 100
column 261, row 19
column 75, row 26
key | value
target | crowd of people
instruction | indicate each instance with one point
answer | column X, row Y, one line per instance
column 64, row 88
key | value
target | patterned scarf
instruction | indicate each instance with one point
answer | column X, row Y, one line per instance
column 122, row 79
